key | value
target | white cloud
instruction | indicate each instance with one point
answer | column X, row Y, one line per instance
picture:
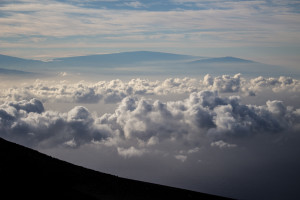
column 130, row 152
column 27, row 122
column 71, row 143
column 194, row 150
column 276, row 84
column 203, row 113
column 239, row 23
column 62, row 74
column 134, row 4
column 115, row 90
column 182, row 158
column 224, row 83
column 153, row 141
column 222, row 145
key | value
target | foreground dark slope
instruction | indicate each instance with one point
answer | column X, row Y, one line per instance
column 26, row 173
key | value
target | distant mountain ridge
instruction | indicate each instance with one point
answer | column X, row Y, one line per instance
column 227, row 59
column 142, row 63
column 129, row 56
column 119, row 59
column 97, row 60
column 15, row 61
column 114, row 59
column 28, row 174
column 13, row 72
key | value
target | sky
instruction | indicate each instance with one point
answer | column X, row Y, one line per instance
column 224, row 133
column 266, row 31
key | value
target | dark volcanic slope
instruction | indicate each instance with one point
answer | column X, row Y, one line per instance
column 28, row 174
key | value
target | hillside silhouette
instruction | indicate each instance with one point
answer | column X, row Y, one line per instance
column 28, row 174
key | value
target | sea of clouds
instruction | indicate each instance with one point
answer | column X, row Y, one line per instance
column 115, row 90
column 212, row 123
column 139, row 121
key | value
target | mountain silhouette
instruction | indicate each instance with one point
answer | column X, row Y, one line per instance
column 143, row 63
column 123, row 59
column 13, row 72
column 118, row 59
column 10, row 61
column 111, row 60
column 95, row 61
column 28, row 174
column 227, row 59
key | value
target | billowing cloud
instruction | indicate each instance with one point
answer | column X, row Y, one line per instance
column 224, row 83
column 207, row 135
column 130, row 152
column 203, row 114
column 27, row 122
column 276, row 84
column 212, row 113
column 204, row 118
column 115, row 90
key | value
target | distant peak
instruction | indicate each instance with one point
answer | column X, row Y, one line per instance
column 226, row 59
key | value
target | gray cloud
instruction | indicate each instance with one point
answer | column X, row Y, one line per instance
column 27, row 122
column 220, row 139
column 86, row 95
column 130, row 152
column 224, row 83
column 203, row 116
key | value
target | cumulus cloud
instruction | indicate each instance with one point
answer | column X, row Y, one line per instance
column 71, row 143
column 222, row 145
column 130, row 152
column 115, row 90
column 205, row 135
column 205, row 139
column 202, row 115
column 140, row 125
column 223, row 83
column 276, row 84
column 27, row 122
column 182, row 158
column 81, row 92
column 62, row 74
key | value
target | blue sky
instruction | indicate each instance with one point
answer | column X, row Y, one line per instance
column 266, row 31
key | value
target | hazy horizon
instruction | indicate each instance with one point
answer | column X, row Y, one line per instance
column 265, row 31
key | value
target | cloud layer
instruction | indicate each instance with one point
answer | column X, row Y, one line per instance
column 210, row 141
column 141, row 125
column 115, row 90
